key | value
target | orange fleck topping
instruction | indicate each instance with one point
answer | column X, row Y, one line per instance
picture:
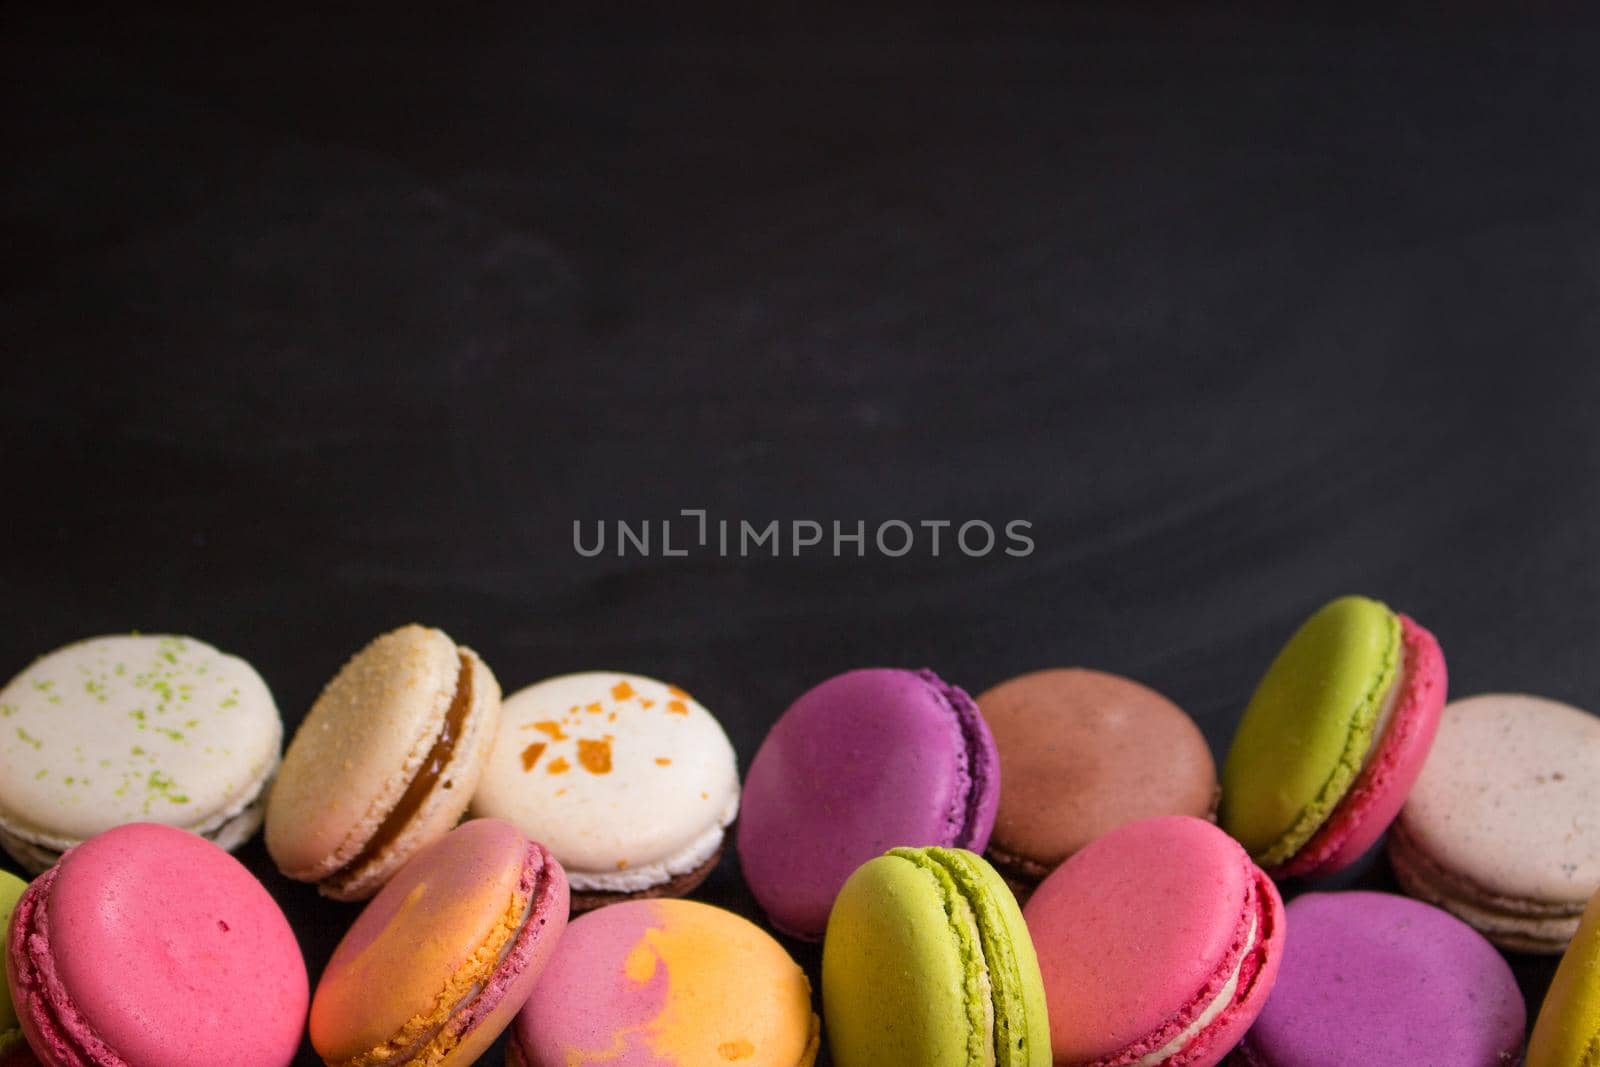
column 612, row 717
column 595, row 755
column 559, row 766
column 531, row 754
column 561, row 792
column 741, row 1049
column 705, row 796
column 621, row 691
column 677, row 707
column 622, row 865
column 679, row 693
column 662, row 761
column 551, row 728
column 595, row 708
column 643, row 703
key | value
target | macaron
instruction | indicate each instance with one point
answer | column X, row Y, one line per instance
column 1380, row 979
column 866, row 761
column 1333, row 738
column 667, row 983
column 1158, row 944
column 148, row 946
column 1568, row 1030
column 628, row 781
column 384, row 764
column 1083, row 752
column 1503, row 826
column 141, row 728
column 13, row 1046
column 444, row 956
column 927, row 962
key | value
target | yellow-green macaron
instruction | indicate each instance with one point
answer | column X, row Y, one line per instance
column 1568, row 1031
column 927, row 963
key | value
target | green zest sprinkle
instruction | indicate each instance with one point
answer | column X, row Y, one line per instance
column 28, row 739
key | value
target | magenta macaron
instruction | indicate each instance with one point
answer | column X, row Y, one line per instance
column 148, row 946
column 864, row 762
column 1381, row 979
column 1158, row 943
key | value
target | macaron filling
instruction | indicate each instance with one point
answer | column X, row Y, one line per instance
column 1232, row 983
column 422, row 786
column 1368, row 725
column 998, row 1030
column 58, row 1023
column 477, row 989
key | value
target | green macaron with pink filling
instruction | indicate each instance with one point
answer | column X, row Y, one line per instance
column 1333, row 739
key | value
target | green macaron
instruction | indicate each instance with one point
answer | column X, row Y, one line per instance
column 11, row 888
column 1309, row 727
column 927, row 963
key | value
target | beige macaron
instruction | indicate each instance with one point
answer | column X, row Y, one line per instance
column 1503, row 826
column 385, row 763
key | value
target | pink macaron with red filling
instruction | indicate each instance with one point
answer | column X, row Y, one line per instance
column 148, row 946
column 1158, row 944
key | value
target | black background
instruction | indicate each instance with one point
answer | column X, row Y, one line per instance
column 314, row 325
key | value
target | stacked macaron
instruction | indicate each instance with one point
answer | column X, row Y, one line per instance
column 1151, row 931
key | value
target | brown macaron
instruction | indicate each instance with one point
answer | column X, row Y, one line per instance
column 1083, row 752
column 385, row 763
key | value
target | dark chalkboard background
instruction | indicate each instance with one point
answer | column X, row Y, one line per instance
column 317, row 324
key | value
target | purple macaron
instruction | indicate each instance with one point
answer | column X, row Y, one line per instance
column 867, row 761
column 1375, row 978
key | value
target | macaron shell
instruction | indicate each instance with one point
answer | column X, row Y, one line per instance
column 622, row 777
column 668, row 983
column 1308, row 727
column 1381, row 789
column 151, row 932
column 1139, row 932
column 11, row 890
column 1374, row 978
column 1082, row 752
column 121, row 729
column 433, row 936
column 864, row 762
column 362, row 745
column 1568, row 1029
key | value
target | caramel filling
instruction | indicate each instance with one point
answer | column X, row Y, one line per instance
column 411, row 801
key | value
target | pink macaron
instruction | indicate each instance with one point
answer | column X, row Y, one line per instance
column 1158, row 944
column 149, row 946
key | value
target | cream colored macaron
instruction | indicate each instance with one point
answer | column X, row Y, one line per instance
column 1503, row 825
column 627, row 780
column 385, row 762
column 133, row 728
